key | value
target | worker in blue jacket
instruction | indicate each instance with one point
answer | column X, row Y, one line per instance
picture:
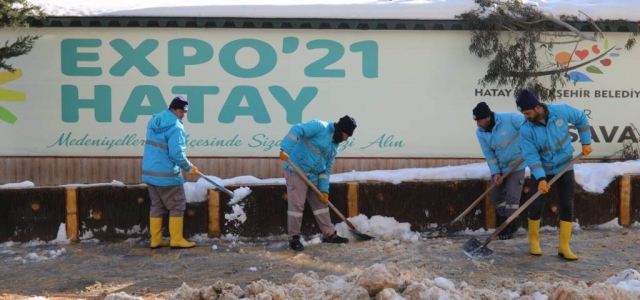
column 312, row 146
column 163, row 159
column 547, row 149
column 499, row 138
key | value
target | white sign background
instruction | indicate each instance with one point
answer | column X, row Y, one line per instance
column 418, row 105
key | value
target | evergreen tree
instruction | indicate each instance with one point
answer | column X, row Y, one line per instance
column 15, row 14
column 519, row 39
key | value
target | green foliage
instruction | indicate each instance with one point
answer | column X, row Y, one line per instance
column 512, row 35
column 15, row 14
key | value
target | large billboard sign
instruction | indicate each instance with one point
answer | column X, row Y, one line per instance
column 91, row 92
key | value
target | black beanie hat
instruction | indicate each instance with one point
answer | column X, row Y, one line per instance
column 526, row 100
column 347, row 125
column 179, row 103
column 481, row 111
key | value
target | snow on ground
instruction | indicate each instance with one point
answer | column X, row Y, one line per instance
column 38, row 255
column 387, row 282
column 348, row 9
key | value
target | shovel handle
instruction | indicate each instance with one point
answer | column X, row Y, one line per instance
column 228, row 192
column 482, row 197
column 526, row 204
column 315, row 189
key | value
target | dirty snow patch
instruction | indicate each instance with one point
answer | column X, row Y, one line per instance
column 380, row 227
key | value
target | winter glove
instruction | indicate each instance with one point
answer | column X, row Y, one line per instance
column 497, row 178
column 586, row 150
column 193, row 170
column 543, row 186
column 325, row 197
column 284, row 156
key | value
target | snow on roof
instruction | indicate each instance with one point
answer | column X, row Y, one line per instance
column 323, row 9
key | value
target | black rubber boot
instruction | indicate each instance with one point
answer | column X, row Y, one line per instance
column 510, row 231
column 335, row 239
column 295, row 244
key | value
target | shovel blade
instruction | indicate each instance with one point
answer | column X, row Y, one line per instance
column 475, row 249
column 362, row 236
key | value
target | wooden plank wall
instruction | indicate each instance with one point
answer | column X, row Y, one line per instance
column 52, row 171
column 117, row 213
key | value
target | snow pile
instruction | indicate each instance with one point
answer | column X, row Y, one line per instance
column 383, row 228
column 470, row 171
column 592, row 177
column 628, row 279
column 197, row 191
column 61, row 237
column 114, row 182
column 387, row 282
column 379, row 277
column 595, row 177
column 122, row 296
column 219, row 290
column 23, row 184
column 613, row 224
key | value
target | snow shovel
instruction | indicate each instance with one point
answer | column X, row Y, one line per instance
column 355, row 231
column 443, row 230
column 226, row 191
column 476, row 249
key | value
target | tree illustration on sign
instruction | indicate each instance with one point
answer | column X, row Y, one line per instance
column 15, row 14
column 10, row 95
column 520, row 42
column 596, row 64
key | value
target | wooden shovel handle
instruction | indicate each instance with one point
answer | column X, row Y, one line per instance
column 534, row 197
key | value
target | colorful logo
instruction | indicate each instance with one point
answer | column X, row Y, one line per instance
column 10, row 95
column 585, row 57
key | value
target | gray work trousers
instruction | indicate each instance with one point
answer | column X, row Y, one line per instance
column 297, row 193
column 167, row 199
column 506, row 197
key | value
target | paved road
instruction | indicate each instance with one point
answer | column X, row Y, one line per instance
column 92, row 270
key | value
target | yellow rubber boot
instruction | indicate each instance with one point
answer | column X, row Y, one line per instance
column 564, row 237
column 175, row 229
column 534, row 237
column 155, row 228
